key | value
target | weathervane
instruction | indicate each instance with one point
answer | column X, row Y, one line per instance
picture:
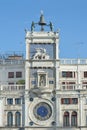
column 42, row 23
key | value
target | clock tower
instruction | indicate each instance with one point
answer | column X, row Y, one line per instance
column 42, row 76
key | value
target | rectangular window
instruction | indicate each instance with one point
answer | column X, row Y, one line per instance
column 51, row 82
column 71, row 85
column 68, row 85
column 69, row 100
column 64, row 74
column 18, row 74
column 17, row 100
column 84, row 85
column 74, row 100
column 85, row 74
column 63, row 85
column 10, row 74
column 65, row 101
column 67, row 74
column 10, row 101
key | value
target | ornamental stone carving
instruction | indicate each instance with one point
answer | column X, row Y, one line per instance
column 40, row 54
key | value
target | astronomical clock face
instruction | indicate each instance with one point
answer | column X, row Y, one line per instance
column 42, row 111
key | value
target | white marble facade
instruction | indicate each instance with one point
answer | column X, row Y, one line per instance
column 54, row 95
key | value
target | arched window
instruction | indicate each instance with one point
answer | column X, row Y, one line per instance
column 66, row 119
column 74, row 119
column 17, row 119
column 10, row 119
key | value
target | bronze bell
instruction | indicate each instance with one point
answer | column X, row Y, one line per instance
column 42, row 21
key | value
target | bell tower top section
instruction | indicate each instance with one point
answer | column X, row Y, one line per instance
column 41, row 23
column 40, row 39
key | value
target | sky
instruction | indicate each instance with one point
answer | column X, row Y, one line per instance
column 69, row 16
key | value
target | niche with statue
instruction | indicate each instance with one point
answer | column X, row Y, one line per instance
column 41, row 79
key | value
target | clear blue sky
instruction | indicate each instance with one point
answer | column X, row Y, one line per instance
column 70, row 16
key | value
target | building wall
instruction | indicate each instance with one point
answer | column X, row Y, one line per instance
column 54, row 95
column 79, row 92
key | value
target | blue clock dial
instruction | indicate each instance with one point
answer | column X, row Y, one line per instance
column 42, row 111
